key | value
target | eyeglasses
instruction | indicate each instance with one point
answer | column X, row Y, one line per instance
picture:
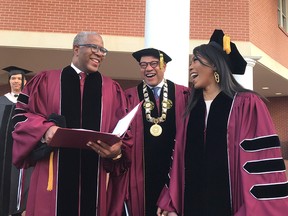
column 153, row 64
column 95, row 48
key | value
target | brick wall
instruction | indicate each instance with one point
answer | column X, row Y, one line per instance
column 264, row 30
column 114, row 17
column 110, row 17
column 278, row 108
column 231, row 16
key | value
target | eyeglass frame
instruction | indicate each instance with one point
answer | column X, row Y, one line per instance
column 148, row 63
column 95, row 48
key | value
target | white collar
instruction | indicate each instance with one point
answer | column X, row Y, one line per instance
column 75, row 68
column 10, row 96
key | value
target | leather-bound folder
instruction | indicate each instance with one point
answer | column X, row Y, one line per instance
column 78, row 138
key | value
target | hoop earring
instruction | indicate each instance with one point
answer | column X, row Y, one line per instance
column 217, row 77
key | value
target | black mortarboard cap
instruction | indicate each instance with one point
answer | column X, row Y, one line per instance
column 12, row 70
column 151, row 52
column 235, row 60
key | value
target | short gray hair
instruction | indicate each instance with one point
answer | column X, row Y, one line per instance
column 81, row 37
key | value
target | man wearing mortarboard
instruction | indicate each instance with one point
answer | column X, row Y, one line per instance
column 154, row 130
column 20, row 178
column 17, row 80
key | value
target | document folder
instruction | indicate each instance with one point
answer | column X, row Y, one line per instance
column 78, row 138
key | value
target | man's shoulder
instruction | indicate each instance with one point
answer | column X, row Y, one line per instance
column 4, row 100
column 48, row 73
column 131, row 90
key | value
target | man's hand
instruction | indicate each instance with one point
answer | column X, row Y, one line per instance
column 161, row 212
column 106, row 151
column 50, row 133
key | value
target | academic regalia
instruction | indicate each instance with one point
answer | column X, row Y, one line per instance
column 6, row 113
column 11, row 97
column 150, row 160
column 74, row 178
column 20, row 178
column 253, row 169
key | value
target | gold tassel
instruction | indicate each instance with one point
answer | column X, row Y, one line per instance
column 161, row 63
column 50, row 175
column 226, row 44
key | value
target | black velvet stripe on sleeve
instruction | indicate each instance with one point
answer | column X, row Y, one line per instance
column 19, row 111
column 23, row 98
column 265, row 166
column 18, row 118
column 261, row 143
column 270, row 191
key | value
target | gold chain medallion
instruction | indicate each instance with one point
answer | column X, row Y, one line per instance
column 156, row 130
column 148, row 105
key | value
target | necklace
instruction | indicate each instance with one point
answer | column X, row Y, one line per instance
column 148, row 105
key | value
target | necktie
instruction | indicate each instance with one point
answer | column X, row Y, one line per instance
column 82, row 81
column 156, row 92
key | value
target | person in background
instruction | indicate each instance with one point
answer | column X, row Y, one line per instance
column 153, row 129
column 17, row 80
column 228, row 158
column 71, row 181
column 20, row 178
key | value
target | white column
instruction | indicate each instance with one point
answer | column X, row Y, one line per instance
column 167, row 28
column 246, row 80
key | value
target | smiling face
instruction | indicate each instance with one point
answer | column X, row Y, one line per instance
column 86, row 60
column 201, row 73
column 152, row 76
column 15, row 82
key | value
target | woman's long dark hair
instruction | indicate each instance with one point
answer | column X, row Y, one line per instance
column 219, row 59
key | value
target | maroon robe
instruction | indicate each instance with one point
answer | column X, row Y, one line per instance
column 79, row 176
column 258, row 184
column 151, row 155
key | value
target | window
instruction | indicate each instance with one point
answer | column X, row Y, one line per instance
column 282, row 14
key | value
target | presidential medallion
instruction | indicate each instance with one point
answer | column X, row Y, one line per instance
column 156, row 130
column 148, row 105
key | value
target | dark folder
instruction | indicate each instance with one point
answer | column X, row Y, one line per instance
column 78, row 138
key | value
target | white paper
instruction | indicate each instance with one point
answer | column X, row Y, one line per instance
column 124, row 123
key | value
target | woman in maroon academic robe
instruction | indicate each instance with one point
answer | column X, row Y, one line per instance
column 227, row 159
column 70, row 181
column 153, row 129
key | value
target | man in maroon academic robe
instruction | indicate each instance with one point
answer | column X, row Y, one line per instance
column 153, row 130
column 70, row 181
